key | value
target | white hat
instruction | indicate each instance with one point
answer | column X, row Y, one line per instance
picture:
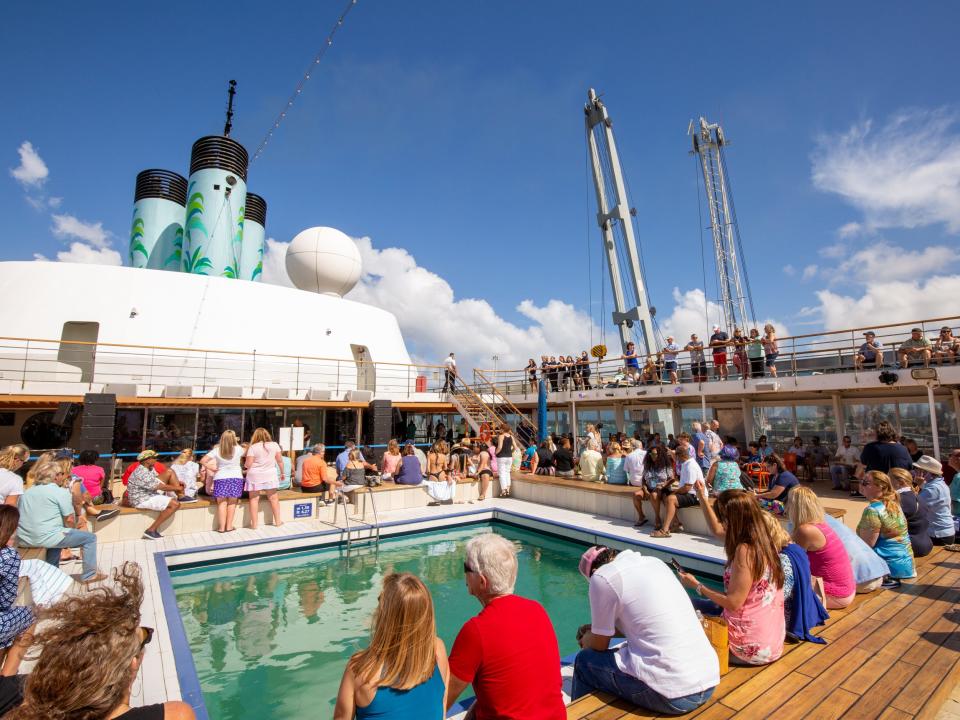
column 716, row 327
column 929, row 464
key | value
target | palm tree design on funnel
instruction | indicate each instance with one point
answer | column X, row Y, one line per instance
column 136, row 241
column 195, row 261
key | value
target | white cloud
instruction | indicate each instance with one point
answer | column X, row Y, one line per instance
column 82, row 253
column 903, row 174
column 810, row 271
column 891, row 302
column 274, row 263
column 32, row 170
column 69, row 227
column 849, row 230
column 54, row 202
column 881, row 262
column 833, row 252
column 789, row 270
column 691, row 315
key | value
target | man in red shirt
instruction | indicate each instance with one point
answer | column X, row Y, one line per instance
column 509, row 651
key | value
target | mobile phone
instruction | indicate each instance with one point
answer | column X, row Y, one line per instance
column 676, row 565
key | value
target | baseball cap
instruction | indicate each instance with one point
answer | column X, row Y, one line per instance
column 146, row 455
column 586, row 560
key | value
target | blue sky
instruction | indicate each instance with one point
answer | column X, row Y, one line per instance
column 455, row 131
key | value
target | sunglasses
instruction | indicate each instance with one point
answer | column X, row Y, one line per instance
column 147, row 636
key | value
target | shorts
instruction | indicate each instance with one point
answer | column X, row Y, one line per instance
column 565, row 473
column 313, row 488
column 158, row 503
column 698, row 368
column 228, row 488
column 687, row 500
column 719, row 359
column 772, row 359
column 670, row 365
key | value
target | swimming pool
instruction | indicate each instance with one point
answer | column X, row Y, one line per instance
column 270, row 637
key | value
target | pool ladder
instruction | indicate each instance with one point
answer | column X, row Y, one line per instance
column 341, row 499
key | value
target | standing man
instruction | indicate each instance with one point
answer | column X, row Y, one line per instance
column 508, row 652
column 846, row 457
column 698, row 364
column 718, row 342
column 666, row 665
column 670, row 352
column 714, row 443
column 450, row 372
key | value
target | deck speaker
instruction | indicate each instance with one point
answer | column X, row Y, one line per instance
column 319, row 395
column 767, row 387
column 276, row 393
column 358, row 396
column 177, row 391
column 120, row 389
column 66, row 413
column 229, row 391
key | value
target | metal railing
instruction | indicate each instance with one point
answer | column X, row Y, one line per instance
column 799, row 356
column 31, row 363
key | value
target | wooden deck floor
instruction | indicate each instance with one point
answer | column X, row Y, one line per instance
column 894, row 654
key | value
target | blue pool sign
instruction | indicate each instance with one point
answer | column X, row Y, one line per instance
column 302, row 510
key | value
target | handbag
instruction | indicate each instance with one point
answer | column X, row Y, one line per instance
column 718, row 635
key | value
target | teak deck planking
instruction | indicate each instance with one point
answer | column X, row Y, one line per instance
column 892, row 654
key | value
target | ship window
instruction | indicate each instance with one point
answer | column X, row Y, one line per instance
column 78, row 347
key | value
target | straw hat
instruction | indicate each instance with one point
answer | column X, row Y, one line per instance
column 929, row 464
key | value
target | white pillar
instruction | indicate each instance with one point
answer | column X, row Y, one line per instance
column 838, row 420
column 933, row 421
column 573, row 428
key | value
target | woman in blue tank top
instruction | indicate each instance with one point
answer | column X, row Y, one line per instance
column 403, row 673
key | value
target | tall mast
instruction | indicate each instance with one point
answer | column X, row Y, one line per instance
column 228, row 125
column 708, row 143
column 614, row 217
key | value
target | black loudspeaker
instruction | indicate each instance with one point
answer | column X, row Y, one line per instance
column 66, row 413
column 381, row 414
column 97, row 422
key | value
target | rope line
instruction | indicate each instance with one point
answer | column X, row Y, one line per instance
column 303, row 81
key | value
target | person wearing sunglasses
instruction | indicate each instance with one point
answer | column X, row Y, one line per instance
column 101, row 624
column 509, row 652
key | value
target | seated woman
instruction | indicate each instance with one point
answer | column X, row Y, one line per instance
column 650, row 373
column 802, row 608
column 725, row 473
column 187, row 471
column 528, row 463
column 14, row 620
column 410, row 472
column 103, row 623
column 752, row 599
column 782, row 481
column 545, row 459
column 869, row 569
column 613, row 470
column 657, row 475
column 91, row 474
column 917, row 525
column 828, row 558
column 563, row 460
column 884, row 527
column 354, row 473
column 403, row 673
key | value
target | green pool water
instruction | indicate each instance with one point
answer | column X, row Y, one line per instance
column 270, row 637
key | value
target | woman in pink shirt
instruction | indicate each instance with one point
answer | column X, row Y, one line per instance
column 263, row 477
column 390, row 465
column 828, row 557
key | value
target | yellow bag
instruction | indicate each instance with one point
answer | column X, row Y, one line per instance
column 716, row 630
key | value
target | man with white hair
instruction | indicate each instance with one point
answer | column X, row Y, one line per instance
column 591, row 462
column 508, row 652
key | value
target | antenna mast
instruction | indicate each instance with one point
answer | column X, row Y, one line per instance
column 230, row 93
column 614, row 215
column 708, row 143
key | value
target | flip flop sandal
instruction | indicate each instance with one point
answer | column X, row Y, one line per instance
column 659, row 534
column 952, row 548
column 640, row 523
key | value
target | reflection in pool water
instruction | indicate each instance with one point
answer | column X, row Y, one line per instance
column 270, row 637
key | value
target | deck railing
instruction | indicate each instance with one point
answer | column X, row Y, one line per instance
column 799, row 355
column 32, row 363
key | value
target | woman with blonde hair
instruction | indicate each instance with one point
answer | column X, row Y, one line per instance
column 825, row 551
column 187, row 470
column 224, row 461
column 12, row 458
column 883, row 527
column 264, row 466
column 613, row 470
column 43, row 459
column 392, row 459
column 917, row 525
column 770, row 348
column 101, row 626
column 403, row 673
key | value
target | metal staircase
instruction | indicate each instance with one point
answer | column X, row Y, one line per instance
column 484, row 404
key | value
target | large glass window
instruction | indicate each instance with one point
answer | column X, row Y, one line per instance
column 269, row 418
column 128, row 430
column 817, row 420
column 171, row 429
column 211, row 422
column 690, row 415
column 859, row 419
column 776, row 422
column 646, row 422
column 947, row 426
column 312, row 423
column 596, row 417
column 915, row 424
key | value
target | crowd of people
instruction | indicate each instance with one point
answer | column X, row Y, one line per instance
column 746, row 354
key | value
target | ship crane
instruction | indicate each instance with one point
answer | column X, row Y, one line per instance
column 615, row 217
column 732, row 282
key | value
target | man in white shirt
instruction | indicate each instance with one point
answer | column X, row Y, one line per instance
column 633, row 462
column 846, row 457
column 450, row 373
column 683, row 496
column 591, row 462
column 670, row 352
column 666, row 665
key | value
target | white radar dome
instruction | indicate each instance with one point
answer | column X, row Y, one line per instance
column 323, row 260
